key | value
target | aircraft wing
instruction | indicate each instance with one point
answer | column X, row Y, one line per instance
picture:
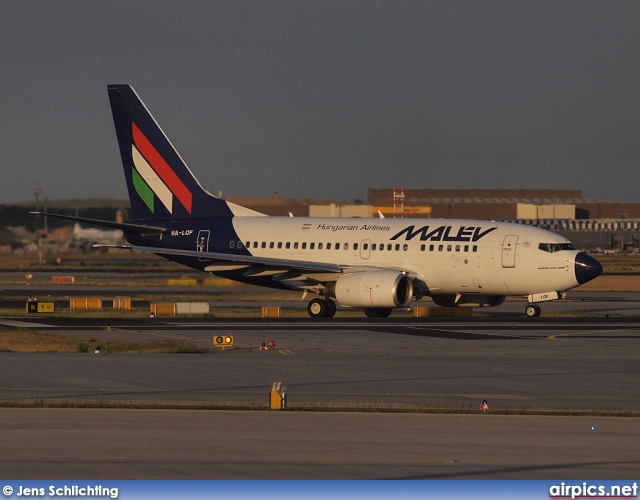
column 284, row 270
column 249, row 260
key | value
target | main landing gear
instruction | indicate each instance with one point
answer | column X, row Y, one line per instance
column 532, row 310
column 321, row 308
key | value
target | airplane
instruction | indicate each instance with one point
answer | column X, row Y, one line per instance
column 377, row 265
column 85, row 237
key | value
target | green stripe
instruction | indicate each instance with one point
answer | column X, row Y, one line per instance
column 143, row 190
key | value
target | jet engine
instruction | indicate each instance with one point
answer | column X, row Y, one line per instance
column 468, row 300
column 372, row 289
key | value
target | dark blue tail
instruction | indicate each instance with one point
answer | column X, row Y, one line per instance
column 160, row 184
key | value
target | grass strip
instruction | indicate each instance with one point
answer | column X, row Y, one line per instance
column 15, row 339
column 355, row 408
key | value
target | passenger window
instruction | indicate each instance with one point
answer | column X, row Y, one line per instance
column 319, row 246
column 288, row 245
column 271, row 245
column 304, row 246
column 232, row 244
column 365, row 246
column 355, row 246
column 397, row 247
column 255, row 244
column 405, row 247
column 346, row 246
column 431, row 247
column 264, row 244
column 475, row 248
column 374, row 246
column 312, row 246
column 295, row 245
column 466, row 248
column 457, row 248
column 239, row 244
column 329, row 246
column 279, row 244
column 448, row 248
column 440, row 248
column 422, row 247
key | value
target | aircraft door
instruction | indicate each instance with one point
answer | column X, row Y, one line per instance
column 202, row 244
column 509, row 250
column 365, row 249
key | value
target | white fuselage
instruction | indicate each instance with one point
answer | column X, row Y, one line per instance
column 450, row 256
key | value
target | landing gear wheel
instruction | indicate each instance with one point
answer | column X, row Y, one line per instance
column 331, row 308
column 377, row 313
column 318, row 308
column 533, row 311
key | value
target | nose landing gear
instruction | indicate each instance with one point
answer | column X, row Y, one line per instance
column 532, row 310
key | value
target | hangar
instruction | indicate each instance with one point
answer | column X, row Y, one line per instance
column 590, row 224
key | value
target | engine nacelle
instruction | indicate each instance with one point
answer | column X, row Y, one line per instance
column 468, row 300
column 373, row 289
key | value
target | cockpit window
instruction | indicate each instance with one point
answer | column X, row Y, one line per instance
column 555, row 247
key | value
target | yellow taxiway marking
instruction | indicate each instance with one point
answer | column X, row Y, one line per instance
column 478, row 334
column 557, row 336
column 286, row 352
column 585, row 332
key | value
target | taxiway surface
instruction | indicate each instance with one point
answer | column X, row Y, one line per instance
column 541, row 364
column 176, row 444
column 532, row 364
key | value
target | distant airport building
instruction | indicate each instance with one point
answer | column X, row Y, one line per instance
column 338, row 210
column 589, row 224
column 274, row 206
column 601, row 235
column 509, row 204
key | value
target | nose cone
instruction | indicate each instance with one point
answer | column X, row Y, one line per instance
column 587, row 268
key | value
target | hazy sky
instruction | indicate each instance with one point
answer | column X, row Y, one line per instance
column 325, row 98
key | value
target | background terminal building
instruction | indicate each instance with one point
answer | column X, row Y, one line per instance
column 589, row 224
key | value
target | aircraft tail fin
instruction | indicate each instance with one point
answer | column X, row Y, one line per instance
column 160, row 184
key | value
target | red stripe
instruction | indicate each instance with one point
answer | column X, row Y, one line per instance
column 162, row 168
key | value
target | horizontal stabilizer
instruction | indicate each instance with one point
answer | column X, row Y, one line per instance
column 122, row 247
column 124, row 226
